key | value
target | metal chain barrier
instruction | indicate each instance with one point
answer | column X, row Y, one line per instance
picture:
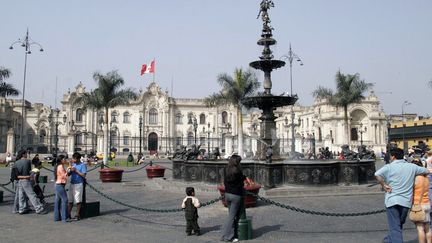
column 129, row 171
column 5, row 184
column 7, row 189
column 148, row 209
column 300, row 210
column 162, row 166
column 48, row 169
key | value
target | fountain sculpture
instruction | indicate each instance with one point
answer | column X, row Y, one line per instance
column 268, row 168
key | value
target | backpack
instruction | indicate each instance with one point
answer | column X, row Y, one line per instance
column 14, row 174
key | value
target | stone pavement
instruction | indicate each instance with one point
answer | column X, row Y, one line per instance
column 118, row 223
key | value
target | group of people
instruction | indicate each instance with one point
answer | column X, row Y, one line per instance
column 406, row 184
column 27, row 189
column 234, row 195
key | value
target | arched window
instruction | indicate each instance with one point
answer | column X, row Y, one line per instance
column 114, row 117
column 126, row 138
column 178, row 118
column 190, row 118
column 202, row 119
column 79, row 115
column 42, row 135
column 224, row 117
column 126, row 117
column 153, row 116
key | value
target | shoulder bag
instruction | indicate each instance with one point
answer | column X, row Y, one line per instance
column 417, row 214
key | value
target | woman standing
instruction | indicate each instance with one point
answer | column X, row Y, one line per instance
column 422, row 186
column 234, row 193
column 61, row 200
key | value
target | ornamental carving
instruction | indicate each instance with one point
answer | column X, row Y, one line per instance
column 348, row 175
column 247, row 172
column 303, row 177
column 316, row 175
column 277, row 176
column 290, row 175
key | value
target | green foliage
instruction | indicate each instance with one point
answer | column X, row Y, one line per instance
column 5, row 88
column 234, row 89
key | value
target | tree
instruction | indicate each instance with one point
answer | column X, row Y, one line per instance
column 107, row 95
column 5, row 88
column 349, row 90
column 234, row 90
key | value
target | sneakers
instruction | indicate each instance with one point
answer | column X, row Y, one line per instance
column 43, row 211
column 235, row 240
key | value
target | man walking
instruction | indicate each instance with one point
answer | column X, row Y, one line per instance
column 78, row 173
column 25, row 189
column 397, row 180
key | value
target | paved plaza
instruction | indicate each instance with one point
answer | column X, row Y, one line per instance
column 118, row 223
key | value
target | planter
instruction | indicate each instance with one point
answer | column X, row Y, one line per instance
column 110, row 175
column 155, row 171
column 249, row 201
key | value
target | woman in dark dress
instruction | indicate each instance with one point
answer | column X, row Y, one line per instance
column 234, row 194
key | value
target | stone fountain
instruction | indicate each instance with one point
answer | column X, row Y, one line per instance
column 275, row 171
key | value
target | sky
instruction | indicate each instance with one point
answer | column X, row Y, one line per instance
column 387, row 42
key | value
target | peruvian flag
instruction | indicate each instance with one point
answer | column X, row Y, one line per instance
column 148, row 68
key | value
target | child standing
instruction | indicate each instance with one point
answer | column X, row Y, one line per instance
column 190, row 205
column 34, row 181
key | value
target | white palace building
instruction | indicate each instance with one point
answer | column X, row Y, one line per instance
column 162, row 123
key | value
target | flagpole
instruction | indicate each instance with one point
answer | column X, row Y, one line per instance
column 154, row 71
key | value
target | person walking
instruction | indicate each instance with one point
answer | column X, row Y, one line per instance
column 234, row 195
column 421, row 197
column 77, row 173
column 23, row 166
column 397, row 180
column 61, row 200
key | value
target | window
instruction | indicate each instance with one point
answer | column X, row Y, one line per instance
column 178, row 118
column 126, row 117
column 178, row 141
column 114, row 116
column 126, row 140
column 30, row 138
column 202, row 119
column 78, row 139
column 153, row 116
column 223, row 141
column 79, row 115
column 224, row 117
column 101, row 117
column 113, row 139
column 202, row 140
column 42, row 136
column 190, row 118
column 354, row 134
column 190, row 138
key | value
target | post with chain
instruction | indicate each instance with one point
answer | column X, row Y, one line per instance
column 244, row 224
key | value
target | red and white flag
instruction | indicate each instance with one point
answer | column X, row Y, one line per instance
column 148, row 68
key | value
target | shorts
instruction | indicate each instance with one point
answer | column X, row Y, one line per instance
column 75, row 193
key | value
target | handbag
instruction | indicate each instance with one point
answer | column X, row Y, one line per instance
column 417, row 214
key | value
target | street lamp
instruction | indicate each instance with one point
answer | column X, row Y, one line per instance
column 405, row 103
column 361, row 131
column 292, row 125
column 56, row 124
column 26, row 43
column 195, row 127
column 208, row 137
column 140, row 135
column 291, row 56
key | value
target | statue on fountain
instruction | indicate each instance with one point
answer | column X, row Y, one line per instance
column 180, row 152
column 364, row 153
column 347, row 154
column 216, row 154
column 193, row 152
column 325, row 153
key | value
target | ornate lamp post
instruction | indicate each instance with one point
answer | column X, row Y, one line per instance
column 361, row 131
column 291, row 56
column 405, row 103
column 208, row 137
column 292, row 125
column 26, row 43
column 56, row 124
column 140, row 134
column 195, row 127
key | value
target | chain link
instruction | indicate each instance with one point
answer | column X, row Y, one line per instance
column 129, row 171
column 306, row 211
column 5, row 184
column 48, row 169
column 148, row 209
column 7, row 189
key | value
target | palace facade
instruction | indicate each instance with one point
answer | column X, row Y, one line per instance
column 156, row 122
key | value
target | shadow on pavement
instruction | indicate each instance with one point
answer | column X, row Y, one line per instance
column 266, row 229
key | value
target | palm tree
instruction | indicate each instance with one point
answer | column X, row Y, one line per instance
column 107, row 95
column 234, row 90
column 5, row 88
column 349, row 90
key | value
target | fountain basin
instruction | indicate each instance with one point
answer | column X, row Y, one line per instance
column 292, row 172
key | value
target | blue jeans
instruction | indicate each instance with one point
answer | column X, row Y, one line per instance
column 396, row 216
column 229, row 229
column 60, row 203
column 25, row 192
